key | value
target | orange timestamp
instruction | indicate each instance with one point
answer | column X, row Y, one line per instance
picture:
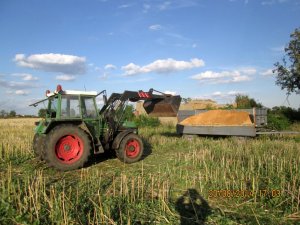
column 227, row 193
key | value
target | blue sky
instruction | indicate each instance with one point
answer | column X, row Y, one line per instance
column 195, row 48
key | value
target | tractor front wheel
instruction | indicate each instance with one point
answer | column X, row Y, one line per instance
column 131, row 149
column 68, row 147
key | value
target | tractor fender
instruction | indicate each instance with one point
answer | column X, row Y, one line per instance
column 98, row 148
column 119, row 138
column 52, row 124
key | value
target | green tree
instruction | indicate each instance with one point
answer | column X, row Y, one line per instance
column 12, row 113
column 42, row 113
column 3, row 113
column 288, row 72
column 244, row 102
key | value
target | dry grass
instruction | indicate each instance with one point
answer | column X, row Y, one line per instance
column 178, row 181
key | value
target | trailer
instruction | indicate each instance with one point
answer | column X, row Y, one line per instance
column 258, row 118
column 244, row 131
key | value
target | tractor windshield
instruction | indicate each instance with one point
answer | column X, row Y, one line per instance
column 70, row 107
column 53, row 107
column 88, row 106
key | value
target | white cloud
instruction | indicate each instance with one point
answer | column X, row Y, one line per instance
column 106, row 73
column 155, row 27
column 272, row 2
column 165, row 5
column 233, row 76
column 248, row 71
column 17, row 84
column 124, row 6
column 279, row 49
column 110, row 67
column 65, row 77
column 162, row 66
column 132, row 69
column 221, row 96
column 239, row 79
column 21, row 92
column 128, row 80
column 66, row 64
column 25, row 76
column 234, row 93
column 170, row 92
column 268, row 72
column 104, row 76
column 176, row 4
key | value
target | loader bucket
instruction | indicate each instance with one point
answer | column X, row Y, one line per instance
column 163, row 107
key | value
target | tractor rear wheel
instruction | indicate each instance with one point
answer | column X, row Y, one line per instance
column 38, row 146
column 68, row 147
column 131, row 149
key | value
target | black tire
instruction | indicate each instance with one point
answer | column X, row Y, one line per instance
column 131, row 149
column 68, row 147
column 38, row 146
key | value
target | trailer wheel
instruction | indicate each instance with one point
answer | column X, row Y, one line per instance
column 38, row 146
column 131, row 149
column 68, row 147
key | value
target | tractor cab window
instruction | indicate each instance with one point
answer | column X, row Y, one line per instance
column 70, row 107
column 88, row 107
column 53, row 107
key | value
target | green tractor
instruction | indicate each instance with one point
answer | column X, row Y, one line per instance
column 74, row 129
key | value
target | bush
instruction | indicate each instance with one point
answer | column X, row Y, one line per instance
column 128, row 113
column 292, row 114
column 278, row 121
column 281, row 117
column 146, row 121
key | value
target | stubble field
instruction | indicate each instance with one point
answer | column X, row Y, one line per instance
column 179, row 181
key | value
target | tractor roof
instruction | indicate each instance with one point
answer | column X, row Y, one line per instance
column 72, row 92
column 65, row 92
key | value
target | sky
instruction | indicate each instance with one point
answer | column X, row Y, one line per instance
column 195, row 48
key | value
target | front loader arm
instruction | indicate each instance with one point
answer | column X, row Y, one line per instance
column 159, row 105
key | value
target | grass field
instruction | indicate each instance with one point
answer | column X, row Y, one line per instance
column 179, row 181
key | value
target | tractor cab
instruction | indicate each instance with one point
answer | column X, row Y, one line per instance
column 71, row 104
column 72, row 107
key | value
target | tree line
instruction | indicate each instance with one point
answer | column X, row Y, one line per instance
column 12, row 114
column 4, row 114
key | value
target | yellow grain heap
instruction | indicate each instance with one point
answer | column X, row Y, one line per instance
column 219, row 117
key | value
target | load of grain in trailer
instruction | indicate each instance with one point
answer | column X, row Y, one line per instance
column 219, row 118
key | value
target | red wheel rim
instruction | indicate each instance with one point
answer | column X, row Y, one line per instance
column 69, row 149
column 132, row 148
